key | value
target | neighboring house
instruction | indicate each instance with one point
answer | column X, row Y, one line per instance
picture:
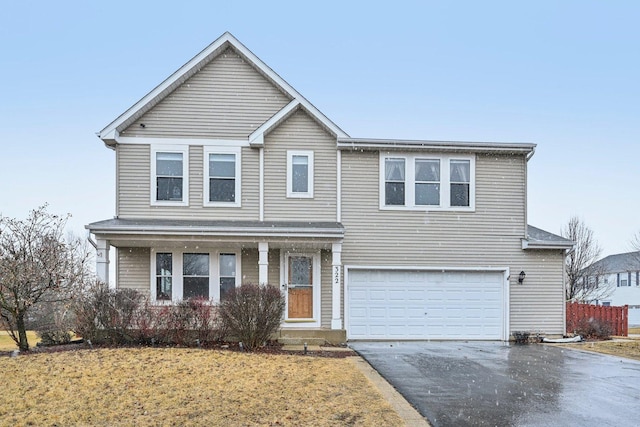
column 225, row 174
column 620, row 273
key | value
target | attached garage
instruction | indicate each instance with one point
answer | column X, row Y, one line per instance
column 400, row 304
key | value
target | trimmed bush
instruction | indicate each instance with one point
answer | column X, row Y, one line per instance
column 252, row 313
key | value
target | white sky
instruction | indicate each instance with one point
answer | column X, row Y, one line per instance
column 564, row 75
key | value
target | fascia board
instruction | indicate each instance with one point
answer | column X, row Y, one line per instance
column 234, row 231
column 527, row 244
column 256, row 139
column 391, row 144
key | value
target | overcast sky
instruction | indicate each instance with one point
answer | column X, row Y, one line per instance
column 564, row 75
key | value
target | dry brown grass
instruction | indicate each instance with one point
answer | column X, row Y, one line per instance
column 628, row 349
column 146, row 386
column 8, row 344
column 634, row 331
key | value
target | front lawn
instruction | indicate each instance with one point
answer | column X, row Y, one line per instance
column 629, row 349
column 8, row 344
column 152, row 386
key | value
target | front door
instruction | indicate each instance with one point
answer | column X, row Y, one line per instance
column 299, row 287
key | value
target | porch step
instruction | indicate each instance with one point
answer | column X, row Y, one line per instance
column 301, row 341
column 311, row 336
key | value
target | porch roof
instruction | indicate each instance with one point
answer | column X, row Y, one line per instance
column 118, row 228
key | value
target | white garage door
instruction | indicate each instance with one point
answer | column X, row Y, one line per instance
column 395, row 304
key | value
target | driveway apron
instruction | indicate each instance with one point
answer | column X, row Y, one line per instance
column 497, row 384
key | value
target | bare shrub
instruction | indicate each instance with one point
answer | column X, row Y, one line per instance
column 592, row 328
column 252, row 313
column 106, row 315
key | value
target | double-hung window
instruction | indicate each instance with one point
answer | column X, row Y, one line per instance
column 394, row 182
column 300, row 174
column 222, row 171
column 169, row 176
column 427, row 181
column 195, row 275
column 427, row 187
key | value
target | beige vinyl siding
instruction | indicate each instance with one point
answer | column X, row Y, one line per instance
column 133, row 270
column 227, row 98
column 325, row 288
column 299, row 132
column 273, row 273
column 490, row 237
column 249, row 267
column 134, row 190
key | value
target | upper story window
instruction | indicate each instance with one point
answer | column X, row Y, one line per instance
column 300, row 174
column 425, row 181
column 222, row 167
column 169, row 176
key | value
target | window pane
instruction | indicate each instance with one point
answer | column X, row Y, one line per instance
column 428, row 194
column 196, row 287
column 459, row 194
column 428, row 170
column 222, row 190
column 222, row 165
column 169, row 164
column 169, row 189
column 460, row 171
column 394, row 169
column 196, row 265
column 163, row 264
column 300, row 160
column 227, row 265
column 300, row 270
column 226, row 285
column 394, row 193
column 300, row 179
column 163, row 288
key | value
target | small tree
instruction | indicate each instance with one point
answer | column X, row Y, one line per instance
column 37, row 266
column 582, row 279
column 252, row 313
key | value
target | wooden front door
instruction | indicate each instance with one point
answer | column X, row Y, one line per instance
column 300, row 287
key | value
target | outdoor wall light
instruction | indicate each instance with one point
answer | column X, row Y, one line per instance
column 521, row 277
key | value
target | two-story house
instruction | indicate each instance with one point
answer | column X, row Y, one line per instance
column 619, row 277
column 225, row 175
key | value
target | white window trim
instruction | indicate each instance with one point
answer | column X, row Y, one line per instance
column 177, row 281
column 310, row 176
column 184, row 150
column 445, row 191
column 205, row 194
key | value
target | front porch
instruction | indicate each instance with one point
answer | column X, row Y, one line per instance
column 174, row 260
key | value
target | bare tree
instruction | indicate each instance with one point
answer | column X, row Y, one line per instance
column 37, row 266
column 583, row 283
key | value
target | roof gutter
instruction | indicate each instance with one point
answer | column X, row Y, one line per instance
column 392, row 144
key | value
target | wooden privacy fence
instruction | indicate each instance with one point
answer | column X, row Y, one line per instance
column 617, row 317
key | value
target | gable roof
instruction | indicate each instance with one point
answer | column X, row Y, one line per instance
column 540, row 239
column 110, row 133
column 617, row 263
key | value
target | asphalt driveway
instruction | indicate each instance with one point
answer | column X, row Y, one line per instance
column 495, row 384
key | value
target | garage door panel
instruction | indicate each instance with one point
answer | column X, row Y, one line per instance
column 392, row 304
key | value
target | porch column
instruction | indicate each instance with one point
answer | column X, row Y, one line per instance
column 336, row 276
column 102, row 260
column 263, row 263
